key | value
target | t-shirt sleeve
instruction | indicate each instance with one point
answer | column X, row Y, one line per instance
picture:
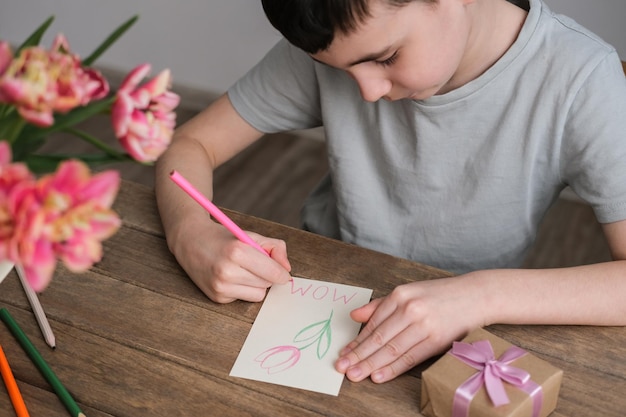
column 594, row 141
column 280, row 93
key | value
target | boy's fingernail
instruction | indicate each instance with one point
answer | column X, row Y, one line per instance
column 354, row 373
column 378, row 376
column 343, row 364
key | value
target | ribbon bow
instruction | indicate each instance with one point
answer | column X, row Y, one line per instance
column 492, row 372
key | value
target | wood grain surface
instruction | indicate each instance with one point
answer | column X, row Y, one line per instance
column 135, row 337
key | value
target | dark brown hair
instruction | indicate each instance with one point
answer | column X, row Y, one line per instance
column 312, row 24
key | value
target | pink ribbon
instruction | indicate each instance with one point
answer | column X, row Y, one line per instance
column 479, row 355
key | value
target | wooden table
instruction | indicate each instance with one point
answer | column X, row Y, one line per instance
column 135, row 337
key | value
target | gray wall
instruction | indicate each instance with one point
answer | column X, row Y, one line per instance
column 208, row 44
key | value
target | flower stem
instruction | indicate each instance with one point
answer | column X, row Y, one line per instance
column 12, row 128
column 5, row 110
column 97, row 143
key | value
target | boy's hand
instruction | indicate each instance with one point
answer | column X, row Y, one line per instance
column 226, row 269
column 416, row 321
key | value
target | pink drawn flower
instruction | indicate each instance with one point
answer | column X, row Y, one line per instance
column 281, row 358
column 40, row 82
column 143, row 116
column 278, row 358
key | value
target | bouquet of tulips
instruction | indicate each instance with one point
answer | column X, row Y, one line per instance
column 51, row 206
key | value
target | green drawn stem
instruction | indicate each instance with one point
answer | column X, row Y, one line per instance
column 323, row 337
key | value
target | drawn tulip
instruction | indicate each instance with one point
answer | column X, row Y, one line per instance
column 281, row 358
column 143, row 116
column 278, row 358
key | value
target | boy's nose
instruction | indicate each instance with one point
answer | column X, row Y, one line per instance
column 373, row 89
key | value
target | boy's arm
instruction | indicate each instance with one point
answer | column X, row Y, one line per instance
column 421, row 319
column 589, row 294
column 615, row 234
column 224, row 268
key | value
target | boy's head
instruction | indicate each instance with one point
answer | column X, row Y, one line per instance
column 400, row 49
column 311, row 25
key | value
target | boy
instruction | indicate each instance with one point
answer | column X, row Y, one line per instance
column 452, row 125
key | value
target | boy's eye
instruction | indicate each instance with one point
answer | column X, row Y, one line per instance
column 389, row 61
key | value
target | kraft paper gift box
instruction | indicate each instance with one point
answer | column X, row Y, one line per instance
column 457, row 384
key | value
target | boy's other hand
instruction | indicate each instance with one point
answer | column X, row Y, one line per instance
column 413, row 323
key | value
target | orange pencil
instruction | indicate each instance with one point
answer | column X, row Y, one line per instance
column 14, row 391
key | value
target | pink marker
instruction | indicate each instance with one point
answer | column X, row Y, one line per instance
column 214, row 211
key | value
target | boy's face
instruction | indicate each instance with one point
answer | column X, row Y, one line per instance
column 414, row 51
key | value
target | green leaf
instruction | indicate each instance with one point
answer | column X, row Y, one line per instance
column 97, row 143
column 11, row 127
column 110, row 41
column 319, row 332
column 65, row 121
column 324, row 342
column 6, row 109
column 41, row 164
column 311, row 332
column 21, row 149
column 35, row 38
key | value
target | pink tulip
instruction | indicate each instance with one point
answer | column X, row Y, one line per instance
column 13, row 177
column 40, row 82
column 5, row 56
column 11, row 173
column 143, row 116
column 63, row 215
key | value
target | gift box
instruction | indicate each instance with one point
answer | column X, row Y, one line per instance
column 484, row 375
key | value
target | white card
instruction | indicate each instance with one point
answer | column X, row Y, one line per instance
column 298, row 334
column 5, row 268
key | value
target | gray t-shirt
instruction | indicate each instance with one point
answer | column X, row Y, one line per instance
column 461, row 180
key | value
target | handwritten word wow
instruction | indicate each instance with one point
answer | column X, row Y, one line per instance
column 321, row 292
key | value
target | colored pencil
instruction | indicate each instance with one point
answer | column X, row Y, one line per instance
column 41, row 364
column 12, row 388
column 214, row 211
column 40, row 315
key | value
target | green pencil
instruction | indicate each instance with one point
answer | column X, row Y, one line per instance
column 41, row 364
